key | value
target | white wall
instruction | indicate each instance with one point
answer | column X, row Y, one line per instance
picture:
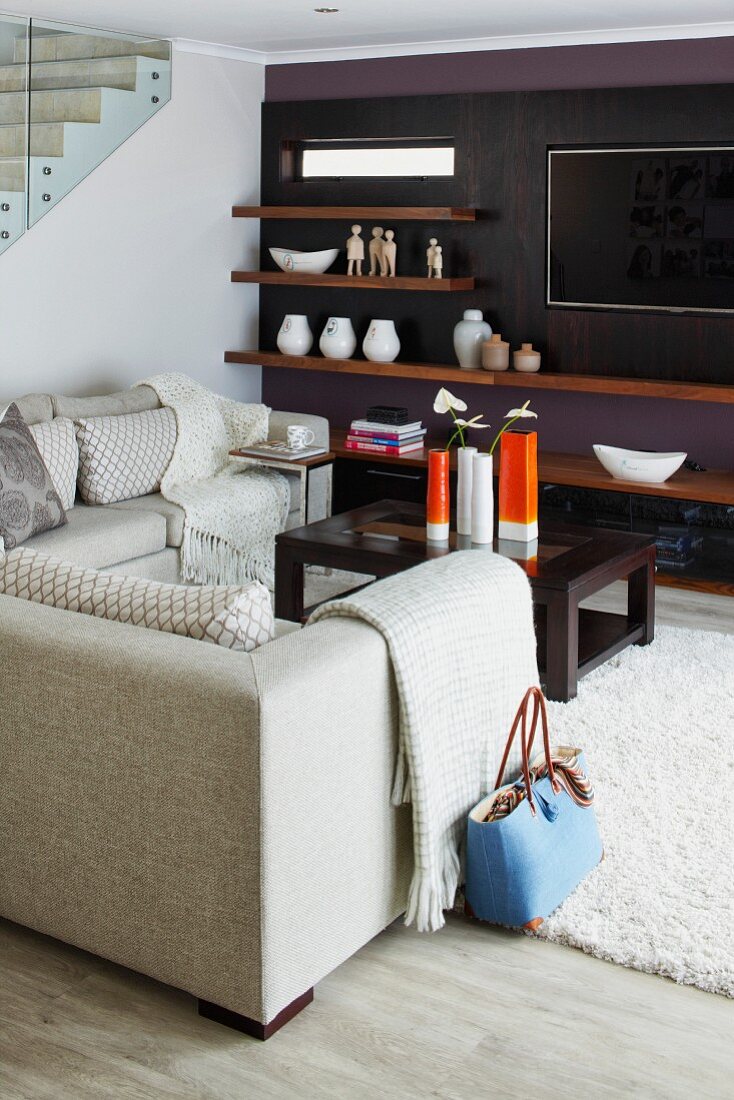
column 129, row 275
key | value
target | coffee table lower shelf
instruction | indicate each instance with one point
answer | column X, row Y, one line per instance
column 601, row 636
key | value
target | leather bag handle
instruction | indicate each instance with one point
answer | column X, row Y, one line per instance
column 535, row 695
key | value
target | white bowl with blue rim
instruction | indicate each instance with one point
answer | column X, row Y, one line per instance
column 304, row 263
column 652, row 467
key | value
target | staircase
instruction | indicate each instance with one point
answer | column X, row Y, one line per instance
column 88, row 94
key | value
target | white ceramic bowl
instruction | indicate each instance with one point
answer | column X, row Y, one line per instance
column 307, row 263
column 651, row 466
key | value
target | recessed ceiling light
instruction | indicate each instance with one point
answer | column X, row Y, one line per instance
column 326, row 11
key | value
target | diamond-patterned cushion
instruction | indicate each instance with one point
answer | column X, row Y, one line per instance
column 56, row 441
column 29, row 503
column 234, row 617
column 121, row 457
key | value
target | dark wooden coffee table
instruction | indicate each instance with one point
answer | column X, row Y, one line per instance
column 569, row 565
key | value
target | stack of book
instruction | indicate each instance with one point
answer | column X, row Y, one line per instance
column 378, row 438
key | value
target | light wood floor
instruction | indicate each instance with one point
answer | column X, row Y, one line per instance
column 472, row 1012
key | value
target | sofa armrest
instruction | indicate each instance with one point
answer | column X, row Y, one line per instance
column 280, row 420
column 337, row 856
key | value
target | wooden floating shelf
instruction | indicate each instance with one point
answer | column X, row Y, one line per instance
column 625, row 387
column 353, row 282
column 440, row 372
column 364, row 213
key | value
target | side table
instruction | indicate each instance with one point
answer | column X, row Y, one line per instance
column 300, row 466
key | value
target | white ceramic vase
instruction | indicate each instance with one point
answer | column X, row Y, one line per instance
column 465, row 465
column 482, row 500
column 381, row 344
column 294, row 335
column 338, row 340
column 469, row 335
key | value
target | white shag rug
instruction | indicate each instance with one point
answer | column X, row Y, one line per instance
column 657, row 726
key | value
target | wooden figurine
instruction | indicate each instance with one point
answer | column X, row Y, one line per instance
column 355, row 251
column 376, row 246
column 430, row 252
column 389, row 253
column 437, row 262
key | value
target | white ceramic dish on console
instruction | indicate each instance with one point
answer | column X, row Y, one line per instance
column 307, row 263
column 653, row 467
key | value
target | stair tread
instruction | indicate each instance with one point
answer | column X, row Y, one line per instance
column 126, row 57
column 72, row 88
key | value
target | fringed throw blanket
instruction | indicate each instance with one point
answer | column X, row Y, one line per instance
column 460, row 634
column 233, row 510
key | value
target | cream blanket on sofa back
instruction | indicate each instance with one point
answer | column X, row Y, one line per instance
column 462, row 643
column 233, row 510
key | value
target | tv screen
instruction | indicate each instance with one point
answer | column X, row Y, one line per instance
column 641, row 229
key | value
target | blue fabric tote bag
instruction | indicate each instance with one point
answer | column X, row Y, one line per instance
column 530, row 843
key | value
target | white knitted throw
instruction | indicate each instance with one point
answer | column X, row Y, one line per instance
column 461, row 639
column 233, row 510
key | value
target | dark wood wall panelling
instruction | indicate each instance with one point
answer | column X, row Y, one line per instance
column 501, row 142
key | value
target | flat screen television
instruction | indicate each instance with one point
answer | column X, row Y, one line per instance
column 640, row 228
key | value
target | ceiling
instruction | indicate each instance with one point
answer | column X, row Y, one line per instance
column 286, row 30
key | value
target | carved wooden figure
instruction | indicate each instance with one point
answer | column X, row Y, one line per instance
column 389, row 253
column 376, row 245
column 437, row 262
column 355, row 251
column 430, row 251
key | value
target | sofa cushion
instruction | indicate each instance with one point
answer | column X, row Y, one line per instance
column 122, row 457
column 56, row 441
column 138, row 399
column 100, row 537
column 233, row 617
column 35, row 407
column 29, row 503
column 156, row 502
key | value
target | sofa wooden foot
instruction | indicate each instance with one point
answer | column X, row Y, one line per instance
column 254, row 1027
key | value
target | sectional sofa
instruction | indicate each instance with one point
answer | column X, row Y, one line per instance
column 142, row 537
column 218, row 820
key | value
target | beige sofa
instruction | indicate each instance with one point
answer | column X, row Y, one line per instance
column 142, row 537
column 220, row 821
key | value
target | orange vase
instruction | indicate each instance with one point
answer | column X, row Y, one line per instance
column 518, row 504
column 437, row 501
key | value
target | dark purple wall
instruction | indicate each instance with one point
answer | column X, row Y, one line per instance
column 568, row 422
column 613, row 65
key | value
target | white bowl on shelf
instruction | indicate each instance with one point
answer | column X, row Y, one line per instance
column 304, row 263
column 653, row 467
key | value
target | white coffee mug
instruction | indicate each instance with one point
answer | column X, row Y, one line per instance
column 299, row 437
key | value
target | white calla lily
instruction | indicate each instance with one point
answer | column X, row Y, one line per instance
column 473, row 423
column 510, row 418
column 521, row 412
column 445, row 401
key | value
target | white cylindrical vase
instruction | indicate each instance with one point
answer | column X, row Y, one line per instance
column 338, row 340
column 482, row 500
column 294, row 335
column 381, row 344
column 465, row 465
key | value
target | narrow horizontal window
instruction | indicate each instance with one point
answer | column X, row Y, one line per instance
column 378, row 159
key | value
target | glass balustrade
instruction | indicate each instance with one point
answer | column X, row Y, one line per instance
column 13, row 129
column 69, row 96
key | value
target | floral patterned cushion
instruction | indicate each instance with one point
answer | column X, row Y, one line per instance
column 29, row 503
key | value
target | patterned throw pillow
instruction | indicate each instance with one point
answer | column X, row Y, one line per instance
column 56, row 442
column 29, row 503
column 236, row 618
column 121, row 457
